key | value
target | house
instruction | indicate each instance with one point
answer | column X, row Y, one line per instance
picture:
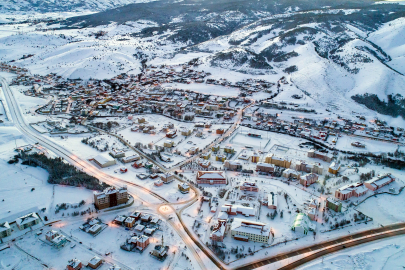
column 278, row 161
column 215, row 148
column 184, row 188
column 333, row 204
column 160, row 252
column 74, row 264
column 95, row 229
column 146, row 218
column 110, row 197
column 130, row 222
column 139, row 227
column 5, row 229
column 249, row 186
column 204, row 163
column 136, row 215
column 123, row 169
column 206, row 156
column 350, row 190
column 379, row 181
column 27, row 221
column 246, row 230
column 95, row 262
column 186, row 132
column 265, row 167
column 104, row 160
column 211, row 177
column 308, row 179
column 334, row 168
column 220, row 131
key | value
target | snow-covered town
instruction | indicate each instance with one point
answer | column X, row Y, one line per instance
column 189, row 156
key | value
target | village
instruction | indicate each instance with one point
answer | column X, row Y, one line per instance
column 251, row 172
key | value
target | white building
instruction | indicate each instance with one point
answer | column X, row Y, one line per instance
column 104, row 160
column 246, row 230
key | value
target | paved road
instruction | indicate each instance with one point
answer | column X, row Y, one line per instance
column 79, row 163
column 347, row 241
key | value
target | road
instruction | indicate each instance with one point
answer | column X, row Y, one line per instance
column 187, row 237
column 79, row 163
column 329, row 246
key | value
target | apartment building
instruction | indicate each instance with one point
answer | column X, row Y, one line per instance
column 110, row 197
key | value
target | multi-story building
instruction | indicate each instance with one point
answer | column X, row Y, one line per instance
column 5, row 229
column 321, row 155
column 350, row 190
column 249, row 186
column 211, row 177
column 141, row 241
column 308, row 179
column 27, row 221
column 379, row 181
column 246, row 230
column 74, row 264
column 110, row 197
column 334, row 168
column 233, row 165
column 265, row 167
column 218, row 232
column 278, row 161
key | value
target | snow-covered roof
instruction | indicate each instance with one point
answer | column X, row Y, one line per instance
column 103, row 158
column 252, row 227
column 302, row 220
column 95, row 260
column 26, row 219
column 210, row 175
column 4, row 226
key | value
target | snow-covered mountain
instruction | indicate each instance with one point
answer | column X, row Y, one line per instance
column 337, row 53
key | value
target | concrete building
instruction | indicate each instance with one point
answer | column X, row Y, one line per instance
column 265, row 167
column 231, row 209
column 350, row 190
column 218, row 232
column 320, row 155
column 27, row 221
column 334, row 168
column 246, row 230
column 278, row 161
column 233, row 165
column 379, row 181
column 249, row 186
column 5, row 229
column 308, row 179
column 104, row 160
column 110, row 197
column 211, row 177
column 333, row 204
column 117, row 153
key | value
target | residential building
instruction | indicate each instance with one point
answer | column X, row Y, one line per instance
column 278, row 161
column 221, row 158
column 167, row 177
column 218, row 232
column 50, row 235
column 308, row 179
column 110, row 197
column 379, row 181
column 5, row 229
column 255, row 157
column 334, row 168
column 246, row 230
column 272, row 200
column 249, row 186
column 168, row 143
column 211, row 177
column 233, row 165
column 131, row 158
column 265, row 167
column 129, row 222
column 289, row 173
column 333, row 204
column 27, row 221
column 229, row 150
column 350, row 190
column 141, row 241
column 320, row 155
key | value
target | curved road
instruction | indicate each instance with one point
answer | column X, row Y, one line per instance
column 81, row 164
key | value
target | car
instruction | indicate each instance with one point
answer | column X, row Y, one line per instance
column 107, row 253
column 73, row 245
column 80, row 243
